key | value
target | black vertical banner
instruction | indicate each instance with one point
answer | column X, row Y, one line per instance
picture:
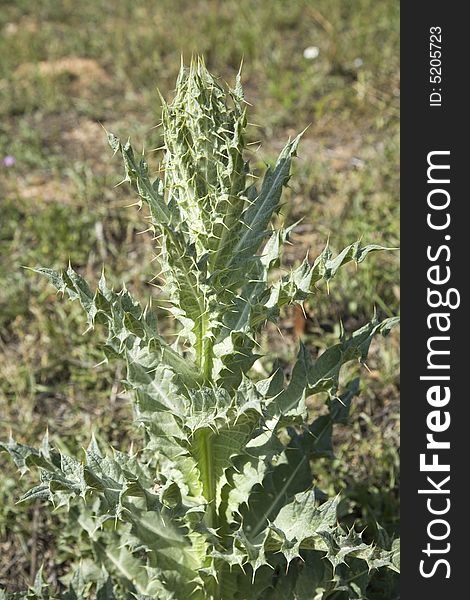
column 435, row 269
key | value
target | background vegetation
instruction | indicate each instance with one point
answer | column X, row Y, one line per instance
column 66, row 69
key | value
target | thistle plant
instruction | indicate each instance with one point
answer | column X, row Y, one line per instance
column 218, row 501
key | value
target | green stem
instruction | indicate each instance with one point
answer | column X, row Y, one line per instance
column 206, row 468
column 207, row 360
column 204, row 357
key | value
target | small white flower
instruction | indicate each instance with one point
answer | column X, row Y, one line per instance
column 311, row 52
column 358, row 62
